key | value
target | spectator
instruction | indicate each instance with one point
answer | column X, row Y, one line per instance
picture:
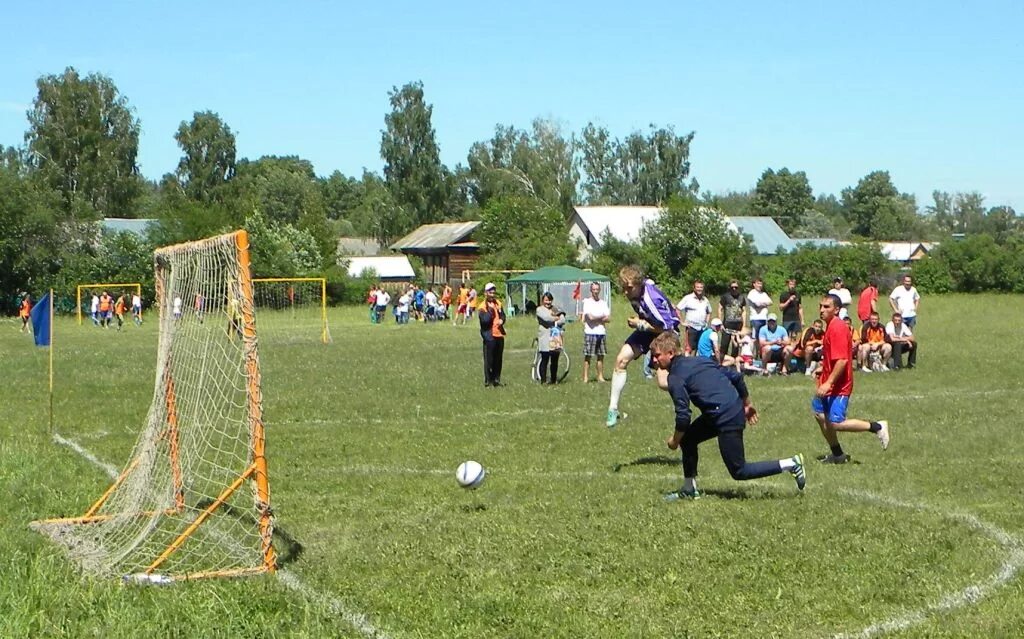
column 430, row 304
column 773, row 340
column 902, row 339
column 419, row 302
column 492, row 331
column 708, row 344
column 696, row 311
column 808, row 348
column 732, row 310
column 402, row 308
column 867, row 302
column 845, row 297
column 746, row 357
column 94, row 311
column 758, row 302
column 873, row 341
column 596, row 315
column 381, row 303
column 905, row 300
column 854, row 338
column 792, row 309
column 549, row 320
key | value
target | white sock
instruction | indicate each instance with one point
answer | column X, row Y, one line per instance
column 689, row 484
column 618, row 383
column 787, row 463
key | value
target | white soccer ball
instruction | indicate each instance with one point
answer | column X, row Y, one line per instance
column 470, row 474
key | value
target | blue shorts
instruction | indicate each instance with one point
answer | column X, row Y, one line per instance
column 832, row 406
column 641, row 340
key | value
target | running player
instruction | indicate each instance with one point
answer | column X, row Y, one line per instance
column 119, row 307
column 24, row 311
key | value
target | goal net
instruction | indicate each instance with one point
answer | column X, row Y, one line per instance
column 291, row 309
column 124, row 291
column 193, row 500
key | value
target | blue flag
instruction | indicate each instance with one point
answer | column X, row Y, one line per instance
column 41, row 321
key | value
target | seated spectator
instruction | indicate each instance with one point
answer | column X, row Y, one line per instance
column 873, row 342
column 746, row 359
column 773, row 340
column 708, row 344
column 808, row 348
column 855, row 335
column 902, row 340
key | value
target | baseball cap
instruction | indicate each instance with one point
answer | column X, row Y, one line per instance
column 716, row 322
column 837, row 279
column 772, row 317
column 489, row 286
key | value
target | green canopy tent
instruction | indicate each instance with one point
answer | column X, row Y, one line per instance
column 561, row 282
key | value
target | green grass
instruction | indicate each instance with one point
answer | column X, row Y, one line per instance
column 569, row 535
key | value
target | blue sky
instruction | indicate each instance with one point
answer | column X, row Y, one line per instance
column 933, row 92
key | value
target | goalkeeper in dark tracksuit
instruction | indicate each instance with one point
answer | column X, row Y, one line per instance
column 722, row 397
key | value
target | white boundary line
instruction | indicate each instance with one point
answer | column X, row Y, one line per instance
column 289, row 579
column 972, row 594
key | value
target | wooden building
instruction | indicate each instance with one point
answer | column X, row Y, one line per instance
column 445, row 249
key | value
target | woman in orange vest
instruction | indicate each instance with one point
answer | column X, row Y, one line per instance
column 492, row 330
column 105, row 310
column 24, row 311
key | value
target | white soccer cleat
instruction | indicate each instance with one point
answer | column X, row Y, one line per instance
column 883, row 435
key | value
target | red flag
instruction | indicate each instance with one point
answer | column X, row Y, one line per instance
column 576, row 292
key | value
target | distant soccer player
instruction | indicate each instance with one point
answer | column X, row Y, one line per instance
column 106, row 309
column 94, row 309
column 835, row 385
column 722, row 397
column 137, row 309
column 654, row 315
column 463, row 308
column 24, row 311
column 119, row 307
column 200, row 302
column 176, row 307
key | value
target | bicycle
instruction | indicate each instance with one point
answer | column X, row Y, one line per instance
column 564, row 364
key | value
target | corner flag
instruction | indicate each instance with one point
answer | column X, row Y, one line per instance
column 41, row 320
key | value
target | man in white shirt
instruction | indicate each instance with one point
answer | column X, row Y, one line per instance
column 402, row 310
column 430, row 303
column 381, row 304
column 758, row 302
column 94, row 309
column 596, row 314
column 902, row 340
column 905, row 300
column 696, row 311
column 839, row 290
column 136, row 309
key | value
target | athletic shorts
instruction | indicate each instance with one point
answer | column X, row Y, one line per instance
column 641, row 340
column 595, row 345
column 462, row 310
column 832, row 406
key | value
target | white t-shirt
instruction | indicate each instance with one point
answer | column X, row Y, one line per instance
column 383, row 297
column 596, row 309
column 95, row 306
column 177, row 306
column 430, row 299
column 758, row 303
column 843, row 294
column 696, row 310
column 746, row 346
column 905, row 300
column 890, row 330
column 403, row 304
column 136, row 301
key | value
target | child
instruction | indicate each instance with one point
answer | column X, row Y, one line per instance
column 746, row 358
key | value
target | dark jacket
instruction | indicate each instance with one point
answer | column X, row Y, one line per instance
column 717, row 391
column 486, row 317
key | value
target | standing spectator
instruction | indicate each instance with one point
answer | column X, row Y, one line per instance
column 758, row 302
column 773, row 340
column 402, row 308
column 492, row 331
column 381, row 303
column 792, row 309
column 25, row 311
column 902, row 339
column 835, row 385
column 732, row 310
column 654, row 315
column 371, row 301
column 419, row 302
column 596, row 315
column 696, row 312
column 137, row 309
column 867, row 302
column 873, row 340
column 549, row 322
column 94, row 309
column 905, row 300
column 845, row 297
column 430, row 303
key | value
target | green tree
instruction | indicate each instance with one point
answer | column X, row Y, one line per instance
column 784, row 196
column 83, row 140
column 208, row 162
column 412, row 162
column 731, row 203
column 341, row 195
column 378, row 215
column 29, row 247
column 540, row 163
column 280, row 249
column 519, row 232
column 638, row 170
column 875, row 196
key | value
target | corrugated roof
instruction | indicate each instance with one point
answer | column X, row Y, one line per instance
column 766, row 234
column 903, row 251
column 623, row 222
column 358, row 246
column 435, row 236
column 117, row 224
column 386, row 267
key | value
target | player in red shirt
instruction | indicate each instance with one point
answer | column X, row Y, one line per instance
column 835, row 385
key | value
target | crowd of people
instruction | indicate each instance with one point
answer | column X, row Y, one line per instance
column 105, row 309
column 419, row 305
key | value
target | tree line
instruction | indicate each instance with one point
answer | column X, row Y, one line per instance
column 78, row 164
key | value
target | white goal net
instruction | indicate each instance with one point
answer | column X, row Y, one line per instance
column 291, row 309
column 193, row 499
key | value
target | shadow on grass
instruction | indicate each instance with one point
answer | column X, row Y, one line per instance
column 729, row 494
column 654, row 460
column 288, row 548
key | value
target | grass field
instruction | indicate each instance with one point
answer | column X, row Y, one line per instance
column 569, row 536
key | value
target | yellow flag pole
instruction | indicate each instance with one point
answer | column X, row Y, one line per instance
column 51, row 361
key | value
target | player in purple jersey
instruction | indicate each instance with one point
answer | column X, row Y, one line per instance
column 655, row 314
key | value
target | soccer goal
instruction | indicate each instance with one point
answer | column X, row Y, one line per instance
column 291, row 308
column 83, row 305
column 194, row 499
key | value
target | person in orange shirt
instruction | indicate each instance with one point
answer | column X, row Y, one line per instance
column 492, row 330
column 24, row 310
column 463, row 308
column 119, row 307
column 872, row 340
column 446, row 299
column 106, row 309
